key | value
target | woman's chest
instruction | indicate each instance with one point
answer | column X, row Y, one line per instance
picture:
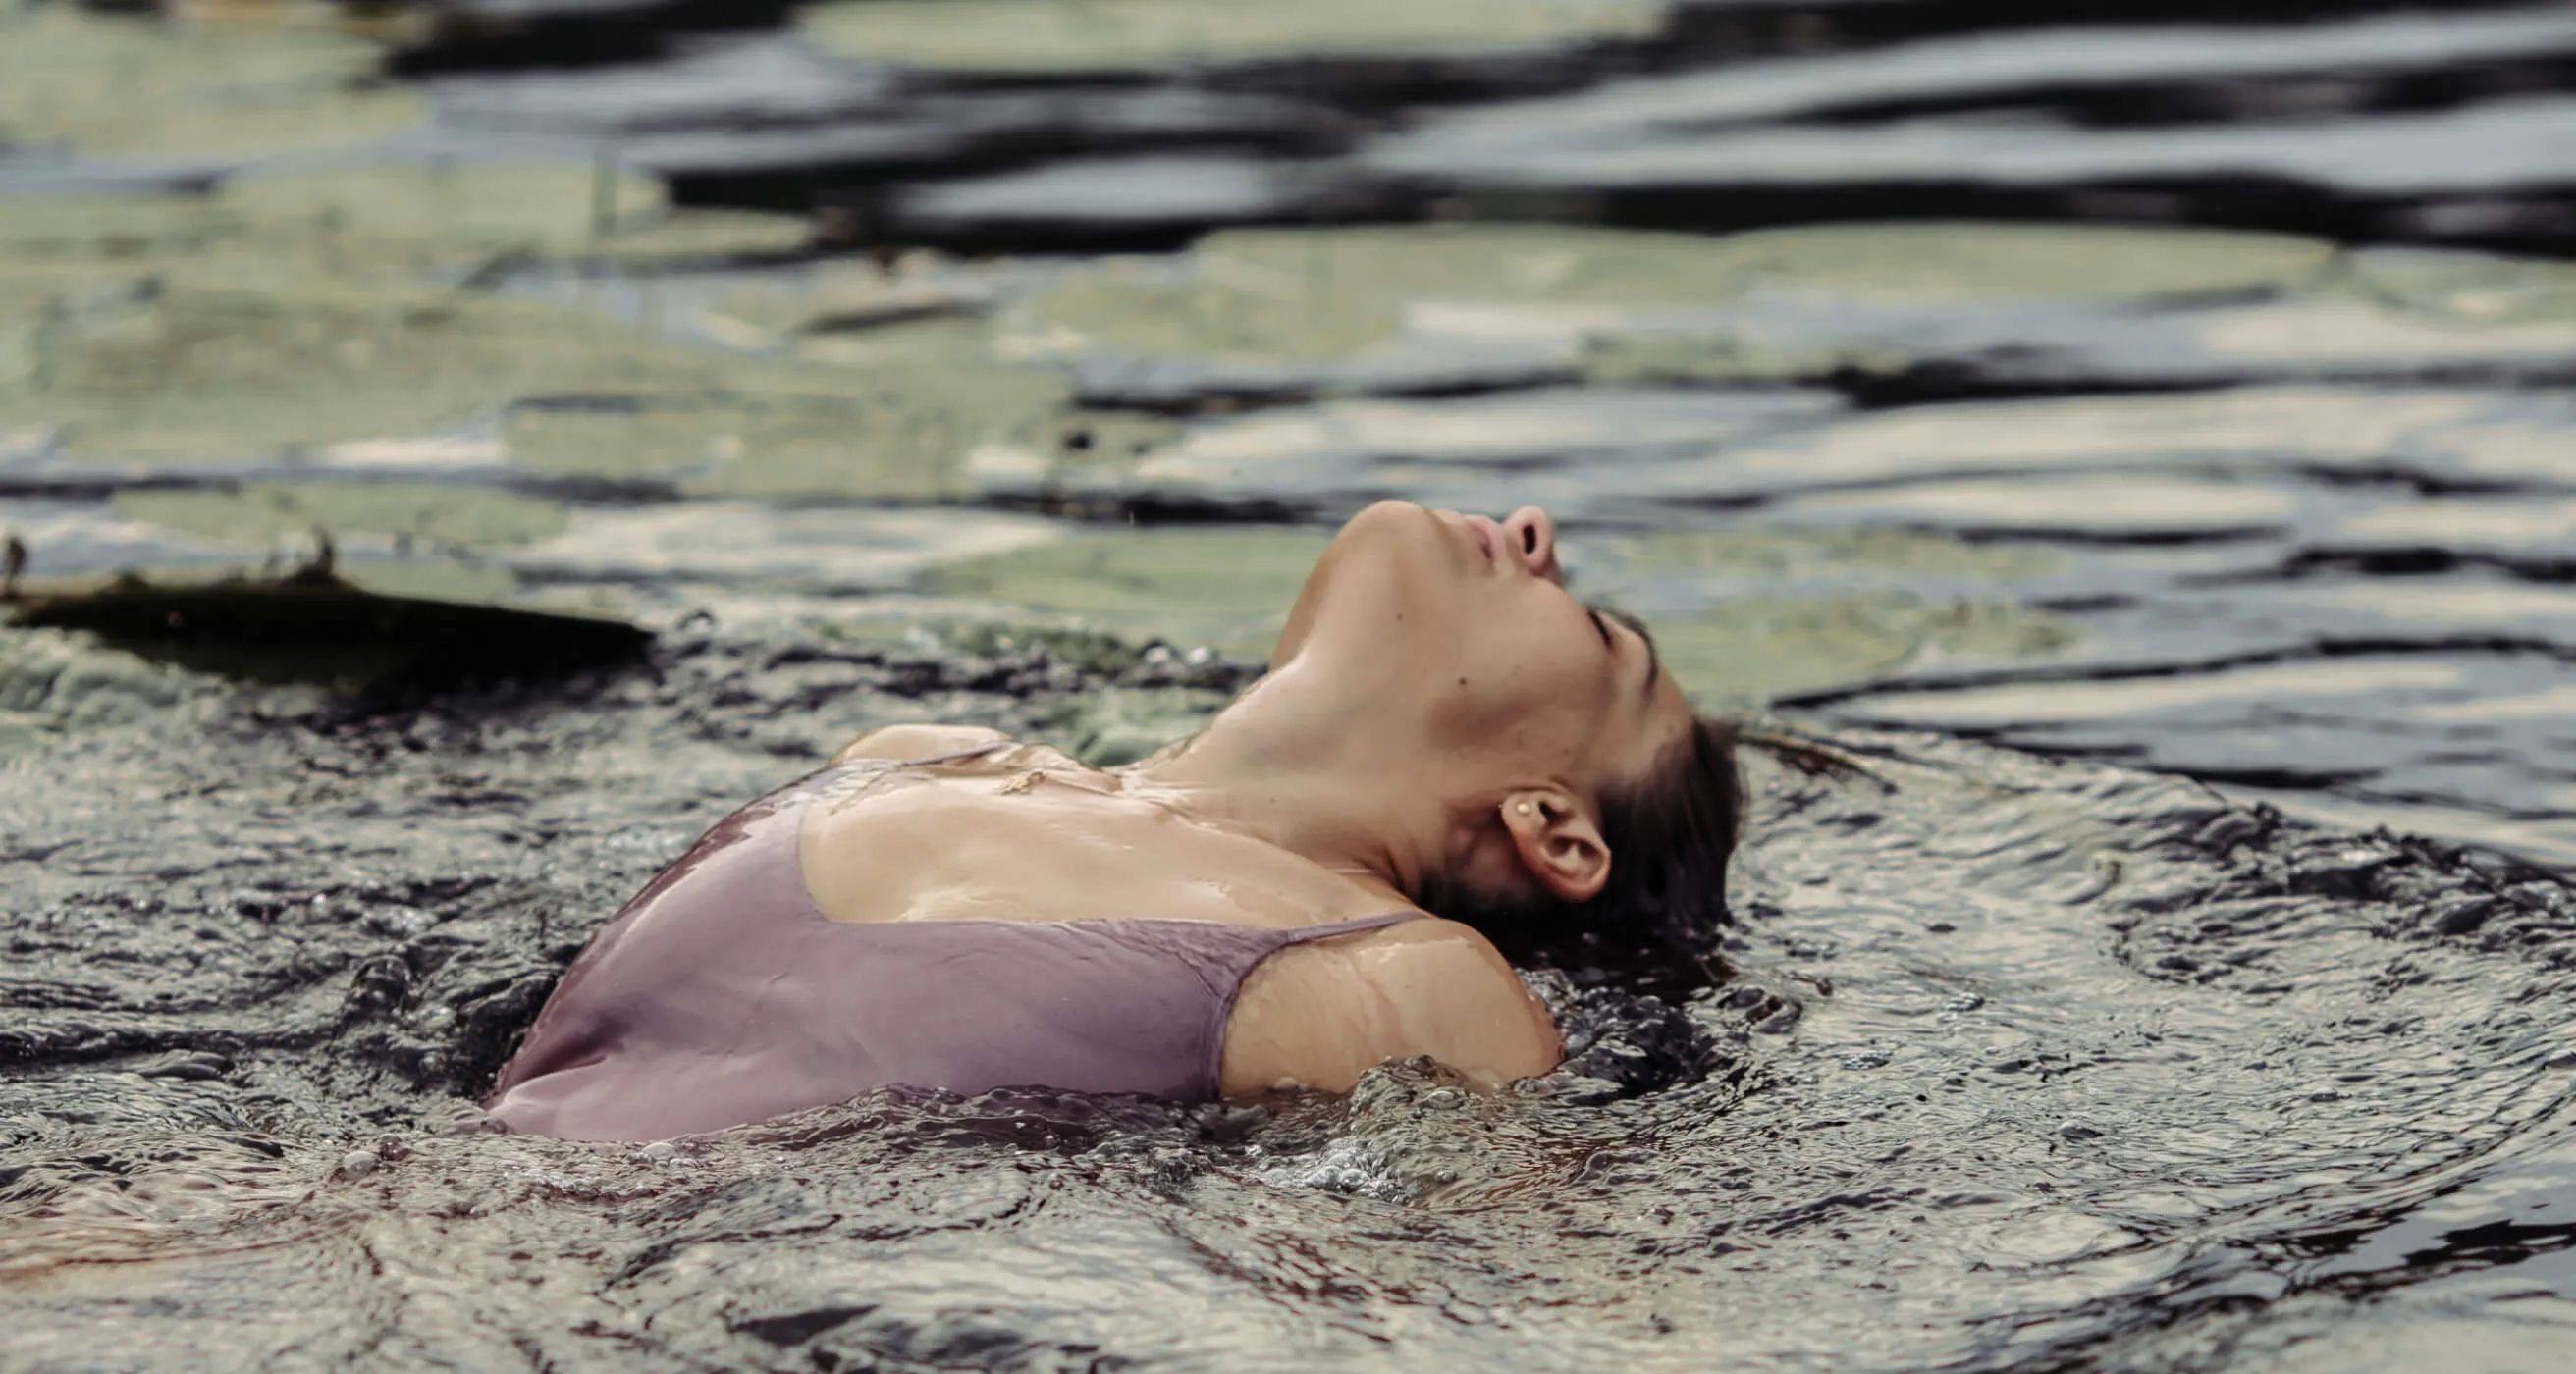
column 1009, row 848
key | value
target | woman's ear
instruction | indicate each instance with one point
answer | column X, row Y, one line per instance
column 1558, row 842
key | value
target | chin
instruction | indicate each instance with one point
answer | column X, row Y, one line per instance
column 1401, row 519
column 1387, row 585
column 1394, row 539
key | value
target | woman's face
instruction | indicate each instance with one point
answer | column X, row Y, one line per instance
column 1458, row 644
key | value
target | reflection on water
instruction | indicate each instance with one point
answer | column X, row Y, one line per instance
column 2468, row 524
column 2030, row 1063
column 2043, row 704
column 2099, row 506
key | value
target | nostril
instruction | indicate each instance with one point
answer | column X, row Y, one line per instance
column 1529, row 538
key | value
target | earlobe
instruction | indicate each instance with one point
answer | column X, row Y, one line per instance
column 1558, row 844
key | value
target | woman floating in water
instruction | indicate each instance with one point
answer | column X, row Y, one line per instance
column 1447, row 746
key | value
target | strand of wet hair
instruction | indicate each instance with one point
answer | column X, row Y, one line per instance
column 1807, row 755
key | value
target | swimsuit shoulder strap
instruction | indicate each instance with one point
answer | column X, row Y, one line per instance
column 959, row 755
column 1298, row 935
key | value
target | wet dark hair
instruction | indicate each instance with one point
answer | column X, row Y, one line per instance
column 1654, row 925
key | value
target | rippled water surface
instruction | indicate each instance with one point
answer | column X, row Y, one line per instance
column 2142, row 444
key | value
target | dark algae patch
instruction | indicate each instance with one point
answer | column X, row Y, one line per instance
column 314, row 626
column 2134, row 443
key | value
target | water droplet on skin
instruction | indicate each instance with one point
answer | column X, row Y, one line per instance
column 357, row 1164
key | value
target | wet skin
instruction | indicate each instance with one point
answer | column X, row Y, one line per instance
column 1438, row 703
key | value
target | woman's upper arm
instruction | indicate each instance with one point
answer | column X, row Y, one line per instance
column 1320, row 1017
column 1457, row 999
column 907, row 742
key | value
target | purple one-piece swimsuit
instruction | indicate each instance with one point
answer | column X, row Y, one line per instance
column 722, row 995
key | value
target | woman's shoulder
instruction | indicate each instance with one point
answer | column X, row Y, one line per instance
column 1322, row 1014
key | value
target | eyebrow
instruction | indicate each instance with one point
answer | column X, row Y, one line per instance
column 1654, row 660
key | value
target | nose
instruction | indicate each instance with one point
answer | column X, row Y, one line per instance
column 1532, row 537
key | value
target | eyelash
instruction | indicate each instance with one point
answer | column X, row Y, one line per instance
column 1602, row 627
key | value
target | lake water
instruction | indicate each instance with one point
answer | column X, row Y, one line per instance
column 2143, row 443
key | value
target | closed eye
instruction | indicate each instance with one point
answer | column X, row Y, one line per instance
column 1601, row 618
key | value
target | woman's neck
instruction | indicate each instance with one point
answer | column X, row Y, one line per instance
column 1286, row 770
